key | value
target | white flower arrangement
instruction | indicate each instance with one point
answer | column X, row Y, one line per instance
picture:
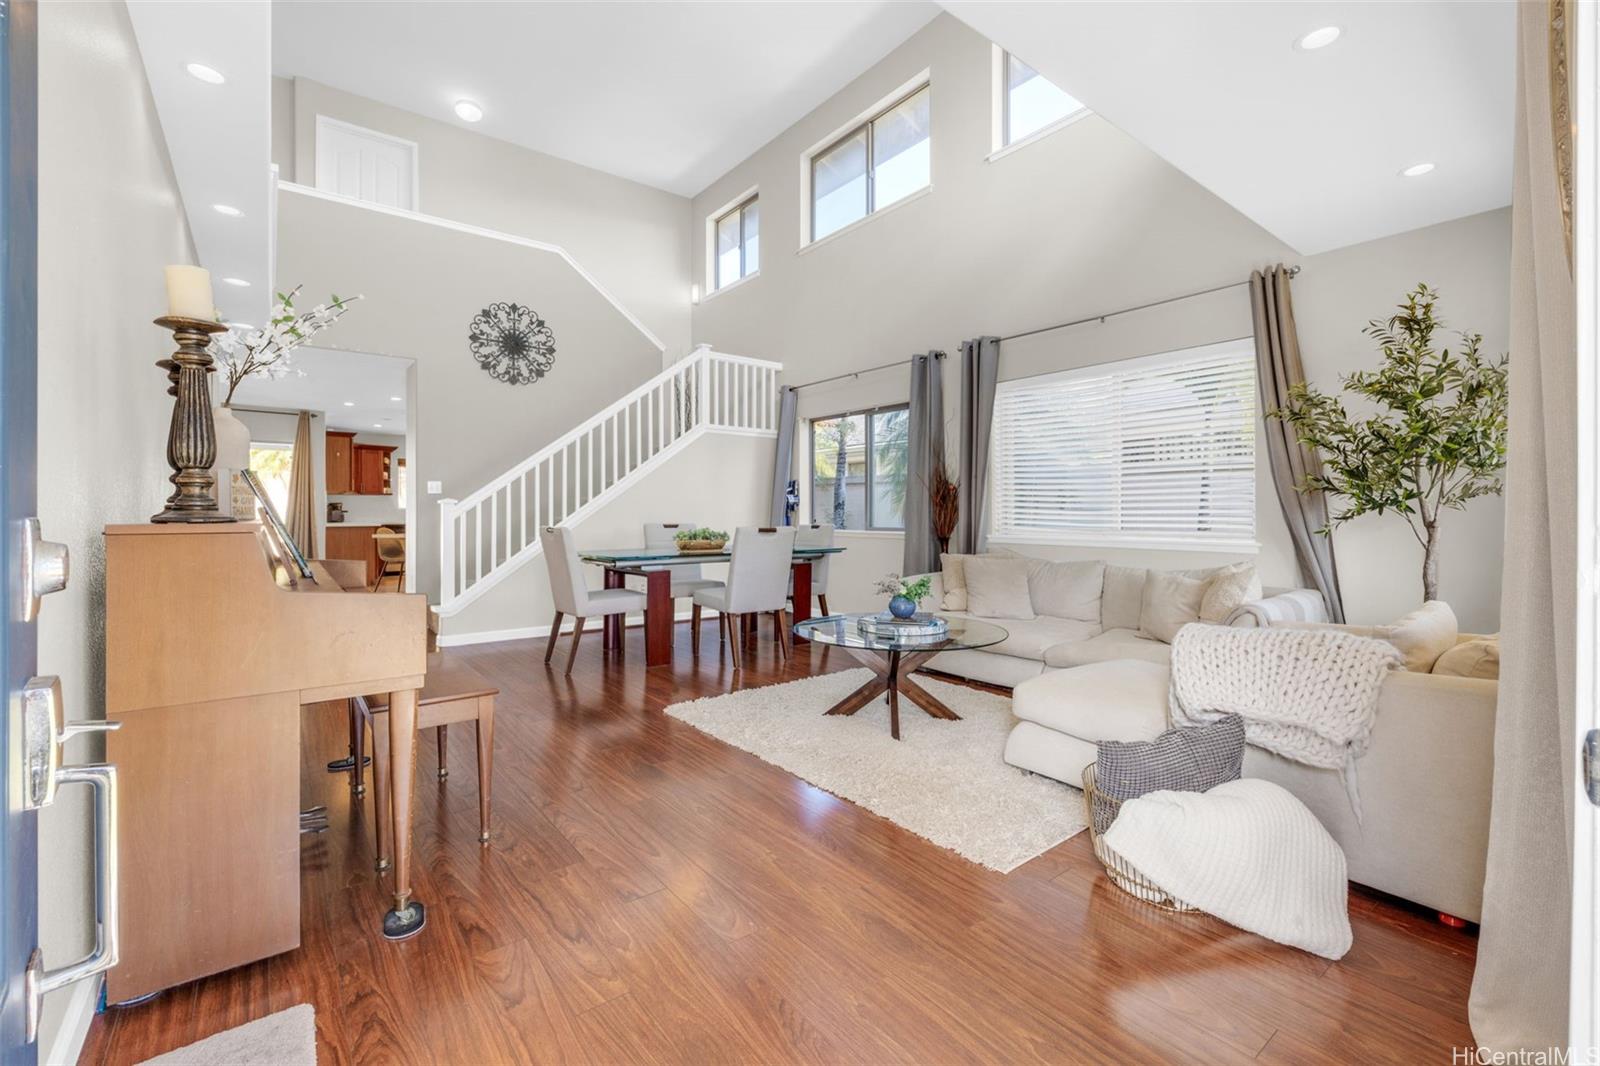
column 267, row 353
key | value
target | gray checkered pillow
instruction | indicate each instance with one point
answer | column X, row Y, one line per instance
column 1186, row 759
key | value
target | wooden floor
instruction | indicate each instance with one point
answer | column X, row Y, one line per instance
column 652, row 895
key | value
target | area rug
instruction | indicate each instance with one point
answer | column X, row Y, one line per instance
column 287, row 1038
column 944, row 781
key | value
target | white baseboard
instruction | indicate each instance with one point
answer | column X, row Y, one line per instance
column 82, row 998
column 489, row 636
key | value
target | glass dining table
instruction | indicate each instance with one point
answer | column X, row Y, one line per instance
column 652, row 564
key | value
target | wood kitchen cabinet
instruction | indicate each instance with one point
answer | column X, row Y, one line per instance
column 356, row 542
column 340, row 463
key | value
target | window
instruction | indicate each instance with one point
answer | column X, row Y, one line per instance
column 1028, row 102
column 858, row 469
column 271, row 463
column 400, row 484
column 885, row 159
column 1152, row 452
column 738, row 243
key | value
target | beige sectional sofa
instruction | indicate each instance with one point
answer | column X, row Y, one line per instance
column 1423, row 783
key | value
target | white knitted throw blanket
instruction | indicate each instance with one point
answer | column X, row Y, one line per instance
column 1310, row 695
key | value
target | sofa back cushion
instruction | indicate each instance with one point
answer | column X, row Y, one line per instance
column 1067, row 589
column 1123, row 597
column 1171, row 601
column 997, row 587
column 1473, row 657
column 953, row 574
column 1227, row 590
column 1423, row 635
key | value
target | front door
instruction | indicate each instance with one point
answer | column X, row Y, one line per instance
column 19, row 873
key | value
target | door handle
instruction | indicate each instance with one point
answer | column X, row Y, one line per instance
column 44, row 732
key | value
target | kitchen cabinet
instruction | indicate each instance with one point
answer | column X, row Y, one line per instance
column 355, row 542
column 340, row 463
column 358, row 469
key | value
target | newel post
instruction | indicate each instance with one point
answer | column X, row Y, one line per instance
column 447, row 551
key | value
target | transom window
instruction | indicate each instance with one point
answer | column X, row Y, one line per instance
column 738, row 243
column 1029, row 102
column 858, row 468
column 1150, row 452
column 885, row 159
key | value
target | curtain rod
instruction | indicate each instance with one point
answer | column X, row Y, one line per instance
column 1292, row 271
column 270, row 410
column 858, row 373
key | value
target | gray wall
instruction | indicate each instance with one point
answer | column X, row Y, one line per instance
column 109, row 220
column 630, row 236
column 422, row 285
column 1083, row 221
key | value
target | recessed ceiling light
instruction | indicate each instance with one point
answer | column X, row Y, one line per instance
column 1319, row 38
column 227, row 209
column 467, row 111
column 1416, row 170
column 377, row 425
column 209, row 75
column 239, row 282
column 396, row 399
column 349, row 403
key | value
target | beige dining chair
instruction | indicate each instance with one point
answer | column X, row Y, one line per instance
column 815, row 535
column 757, row 585
column 391, row 553
column 687, row 578
column 573, row 596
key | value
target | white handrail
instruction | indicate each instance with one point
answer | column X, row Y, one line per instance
column 482, row 540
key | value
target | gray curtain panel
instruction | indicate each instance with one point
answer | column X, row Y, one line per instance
column 302, row 516
column 1519, row 990
column 924, row 447
column 1277, row 368
column 783, row 456
column 980, row 369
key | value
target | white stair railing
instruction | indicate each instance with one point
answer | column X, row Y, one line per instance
column 490, row 534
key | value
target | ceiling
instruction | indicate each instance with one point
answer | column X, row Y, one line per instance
column 356, row 392
column 1308, row 144
column 673, row 95
column 218, row 136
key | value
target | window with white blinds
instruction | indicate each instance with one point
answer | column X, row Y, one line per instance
column 1156, row 452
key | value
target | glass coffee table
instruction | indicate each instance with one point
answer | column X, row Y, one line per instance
column 893, row 660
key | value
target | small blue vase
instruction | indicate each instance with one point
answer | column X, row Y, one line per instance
column 902, row 607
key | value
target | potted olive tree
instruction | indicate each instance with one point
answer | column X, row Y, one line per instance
column 1431, row 434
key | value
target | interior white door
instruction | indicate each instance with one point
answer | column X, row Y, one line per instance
column 365, row 164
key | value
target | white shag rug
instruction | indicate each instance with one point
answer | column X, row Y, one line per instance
column 287, row 1038
column 944, row 781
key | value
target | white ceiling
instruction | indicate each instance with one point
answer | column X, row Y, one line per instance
column 1309, row 144
column 219, row 136
column 669, row 94
column 355, row 391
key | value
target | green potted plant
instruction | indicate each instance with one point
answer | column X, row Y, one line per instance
column 700, row 540
column 1431, row 436
column 904, row 596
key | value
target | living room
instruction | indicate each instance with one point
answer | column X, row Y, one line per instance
column 962, row 531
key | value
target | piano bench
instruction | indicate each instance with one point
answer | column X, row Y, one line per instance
column 453, row 693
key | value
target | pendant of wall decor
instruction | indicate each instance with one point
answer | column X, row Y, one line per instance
column 512, row 343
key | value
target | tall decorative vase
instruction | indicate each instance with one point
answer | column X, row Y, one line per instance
column 233, row 459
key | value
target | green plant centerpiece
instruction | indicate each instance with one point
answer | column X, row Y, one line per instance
column 1434, row 435
column 700, row 540
column 904, row 596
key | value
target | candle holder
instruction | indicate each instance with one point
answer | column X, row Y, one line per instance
column 192, row 439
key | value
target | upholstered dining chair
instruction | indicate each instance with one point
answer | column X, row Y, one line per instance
column 687, row 578
column 391, row 555
column 573, row 596
column 757, row 585
column 816, row 535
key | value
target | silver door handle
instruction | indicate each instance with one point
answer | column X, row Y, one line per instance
column 44, row 732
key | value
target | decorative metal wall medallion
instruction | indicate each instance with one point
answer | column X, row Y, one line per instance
column 512, row 343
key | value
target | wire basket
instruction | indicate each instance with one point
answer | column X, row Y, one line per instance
column 1101, row 810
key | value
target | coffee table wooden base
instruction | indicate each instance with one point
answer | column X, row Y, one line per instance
column 893, row 675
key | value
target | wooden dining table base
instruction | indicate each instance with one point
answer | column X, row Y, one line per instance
column 892, row 674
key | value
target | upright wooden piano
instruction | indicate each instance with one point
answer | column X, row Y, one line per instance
column 215, row 638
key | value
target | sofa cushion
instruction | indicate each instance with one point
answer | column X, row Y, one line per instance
column 1030, row 638
column 1109, row 645
column 1477, row 657
column 1228, row 590
column 1123, row 700
column 1038, row 750
column 1006, row 671
column 1171, row 601
column 1066, row 589
column 1122, row 597
column 953, row 571
column 997, row 587
column 1423, row 635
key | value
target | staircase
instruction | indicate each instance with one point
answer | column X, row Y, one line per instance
column 494, row 532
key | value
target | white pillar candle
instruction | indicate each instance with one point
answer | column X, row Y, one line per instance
column 189, row 293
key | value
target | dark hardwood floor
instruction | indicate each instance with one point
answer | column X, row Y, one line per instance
column 652, row 895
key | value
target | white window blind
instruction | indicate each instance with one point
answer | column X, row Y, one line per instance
column 1155, row 451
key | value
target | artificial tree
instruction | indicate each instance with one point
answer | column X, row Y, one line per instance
column 1436, row 436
